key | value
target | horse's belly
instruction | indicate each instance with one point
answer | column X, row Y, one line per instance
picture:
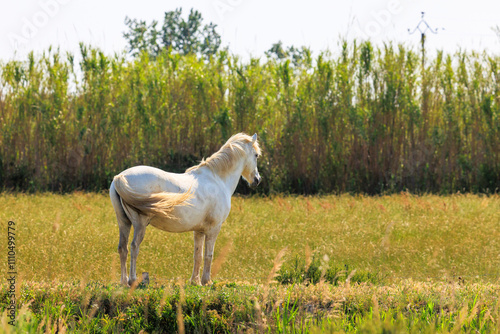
column 170, row 225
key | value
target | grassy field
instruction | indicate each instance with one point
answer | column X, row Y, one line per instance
column 434, row 263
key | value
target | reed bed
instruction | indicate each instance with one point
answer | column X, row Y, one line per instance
column 361, row 119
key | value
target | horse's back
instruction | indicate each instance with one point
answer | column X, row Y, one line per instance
column 146, row 179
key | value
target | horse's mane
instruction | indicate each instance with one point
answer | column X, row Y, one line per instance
column 234, row 149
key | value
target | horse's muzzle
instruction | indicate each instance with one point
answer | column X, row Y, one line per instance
column 256, row 181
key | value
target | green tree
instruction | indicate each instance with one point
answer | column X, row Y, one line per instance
column 177, row 34
column 295, row 55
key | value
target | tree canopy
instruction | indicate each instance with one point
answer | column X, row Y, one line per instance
column 176, row 34
column 296, row 55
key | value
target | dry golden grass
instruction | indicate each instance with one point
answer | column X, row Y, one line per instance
column 75, row 236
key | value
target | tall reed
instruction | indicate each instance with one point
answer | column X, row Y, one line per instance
column 369, row 119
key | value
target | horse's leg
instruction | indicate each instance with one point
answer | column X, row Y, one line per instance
column 139, row 231
column 124, row 226
column 199, row 237
column 209, row 254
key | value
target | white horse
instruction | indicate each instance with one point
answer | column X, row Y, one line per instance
column 198, row 200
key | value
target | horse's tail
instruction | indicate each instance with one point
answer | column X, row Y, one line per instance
column 155, row 204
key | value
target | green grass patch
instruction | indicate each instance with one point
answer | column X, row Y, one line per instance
column 228, row 307
column 300, row 270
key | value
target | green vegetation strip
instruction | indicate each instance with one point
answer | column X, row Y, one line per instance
column 231, row 307
column 359, row 119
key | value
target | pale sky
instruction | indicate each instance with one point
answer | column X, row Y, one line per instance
column 249, row 27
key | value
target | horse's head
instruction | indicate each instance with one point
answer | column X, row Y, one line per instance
column 250, row 172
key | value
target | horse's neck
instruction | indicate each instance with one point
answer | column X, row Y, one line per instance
column 232, row 177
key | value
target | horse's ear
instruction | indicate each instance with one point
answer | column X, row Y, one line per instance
column 254, row 138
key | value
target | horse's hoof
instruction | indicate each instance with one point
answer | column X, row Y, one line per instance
column 209, row 282
column 124, row 282
column 195, row 282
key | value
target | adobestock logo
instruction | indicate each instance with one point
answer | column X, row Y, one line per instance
column 32, row 25
column 223, row 6
column 380, row 19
